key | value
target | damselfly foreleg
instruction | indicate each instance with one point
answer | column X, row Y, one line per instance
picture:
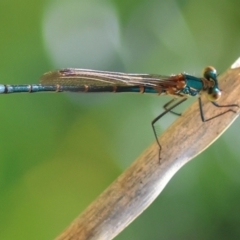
column 216, row 105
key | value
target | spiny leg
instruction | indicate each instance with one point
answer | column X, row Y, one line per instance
column 216, row 105
column 160, row 116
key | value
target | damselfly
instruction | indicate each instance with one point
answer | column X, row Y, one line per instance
column 82, row 80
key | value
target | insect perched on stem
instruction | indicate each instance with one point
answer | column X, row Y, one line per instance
column 83, row 80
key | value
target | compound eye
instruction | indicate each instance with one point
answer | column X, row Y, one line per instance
column 214, row 94
column 210, row 72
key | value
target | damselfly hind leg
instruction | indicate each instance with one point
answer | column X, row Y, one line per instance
column 160, row 116
column 216, row 105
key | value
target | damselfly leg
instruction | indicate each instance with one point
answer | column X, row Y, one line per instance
column 216, row 105
column 165, row 106
column 201, row 113
column 161, row 115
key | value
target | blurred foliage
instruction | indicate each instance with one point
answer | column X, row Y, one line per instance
column 60, row 151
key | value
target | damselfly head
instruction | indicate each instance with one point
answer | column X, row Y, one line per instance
column 214, row 94
column 210, row 74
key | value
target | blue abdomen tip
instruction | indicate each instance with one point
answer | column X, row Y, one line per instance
column 2, row 88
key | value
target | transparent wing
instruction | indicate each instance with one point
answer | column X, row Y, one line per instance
column 79, row 77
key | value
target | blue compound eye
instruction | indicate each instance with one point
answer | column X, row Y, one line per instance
column 210, row 73
column 214, row 94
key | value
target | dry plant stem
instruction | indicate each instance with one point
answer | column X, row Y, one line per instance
column 144, row 180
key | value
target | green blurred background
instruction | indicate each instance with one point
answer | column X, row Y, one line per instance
column 58, row 152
